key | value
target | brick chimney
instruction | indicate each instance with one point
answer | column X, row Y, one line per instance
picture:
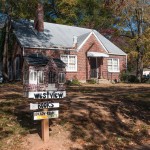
column 39, row 18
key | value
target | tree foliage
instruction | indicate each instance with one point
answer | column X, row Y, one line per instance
column 132, row 21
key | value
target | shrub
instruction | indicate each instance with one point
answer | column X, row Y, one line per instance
column 91, row 81
column 132, row 79
column 123, row 76
column 73, row 82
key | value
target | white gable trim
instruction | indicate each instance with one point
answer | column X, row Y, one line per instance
column 88, row 38
column 100, row 42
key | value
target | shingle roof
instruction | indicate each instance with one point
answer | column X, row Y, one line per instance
column 56, row 35
column 40, row 60
column 59, row 63
column 36, row 59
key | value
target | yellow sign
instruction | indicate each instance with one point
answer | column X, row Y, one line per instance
column 46, row 115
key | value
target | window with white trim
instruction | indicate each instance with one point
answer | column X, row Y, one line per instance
column 70, row 61
column 40, row 77
column 36, row 77
column 113, row 65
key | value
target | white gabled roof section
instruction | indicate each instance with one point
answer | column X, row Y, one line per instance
column 88, row 38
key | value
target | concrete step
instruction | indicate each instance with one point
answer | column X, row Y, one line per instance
column 103, row 81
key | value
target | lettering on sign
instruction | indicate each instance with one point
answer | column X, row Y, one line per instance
column 48, row 95
column 43, row 105
column 46, row 115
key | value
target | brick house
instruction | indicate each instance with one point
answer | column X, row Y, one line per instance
column 86, row 53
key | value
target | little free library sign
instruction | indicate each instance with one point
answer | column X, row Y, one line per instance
column 45, row 115
column 47, row 95
column 43, row 105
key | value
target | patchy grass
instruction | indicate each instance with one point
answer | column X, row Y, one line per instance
column 96, row 117
column 11, row 132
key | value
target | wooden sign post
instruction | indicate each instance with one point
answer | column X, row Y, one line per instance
column 45, row 129
column 44, row 116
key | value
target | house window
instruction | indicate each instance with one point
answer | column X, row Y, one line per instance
column 61, row 78
column 33, row 77
column 40, row 77
column 18, row 70
column 36, row 77
column 113, row 65
column 52, row 77
column 70, row 61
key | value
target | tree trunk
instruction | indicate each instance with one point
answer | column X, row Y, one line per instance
column 139, row 72
column 140, row 46
column 5, row 51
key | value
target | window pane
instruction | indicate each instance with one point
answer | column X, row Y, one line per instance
column 61, row 78
column 72, row 66
column 115, row 62
column 109, row 61
column 31, row 76
column 52, row 77
column 115, row 68
column 64, row 59
column 109, row 68
column 72, row 59
column 35, row 76
column 41, row 76
column 113, row 65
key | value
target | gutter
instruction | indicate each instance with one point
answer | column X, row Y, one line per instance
column 53, row 48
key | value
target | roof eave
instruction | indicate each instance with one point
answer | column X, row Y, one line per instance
column 118, row 54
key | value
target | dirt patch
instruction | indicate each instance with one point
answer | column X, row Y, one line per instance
column 92, row 117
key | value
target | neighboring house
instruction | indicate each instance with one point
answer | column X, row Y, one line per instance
column 146, row 72
column 86, row 53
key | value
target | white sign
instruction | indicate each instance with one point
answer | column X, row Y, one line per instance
column 43, row 105
column 45, row 115
column 47, row 95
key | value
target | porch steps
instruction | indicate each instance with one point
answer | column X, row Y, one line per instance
column 103, row 81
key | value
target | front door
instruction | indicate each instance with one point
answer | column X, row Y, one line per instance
column 94, row 71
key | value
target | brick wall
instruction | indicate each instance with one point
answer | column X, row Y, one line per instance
column 83, row 69
column 113, row 75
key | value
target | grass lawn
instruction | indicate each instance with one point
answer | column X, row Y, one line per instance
column 91, row 117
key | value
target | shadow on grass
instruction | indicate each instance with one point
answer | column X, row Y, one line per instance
column 102, row 117
column 110, row 116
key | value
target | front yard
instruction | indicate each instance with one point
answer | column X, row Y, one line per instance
column 91, row 117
